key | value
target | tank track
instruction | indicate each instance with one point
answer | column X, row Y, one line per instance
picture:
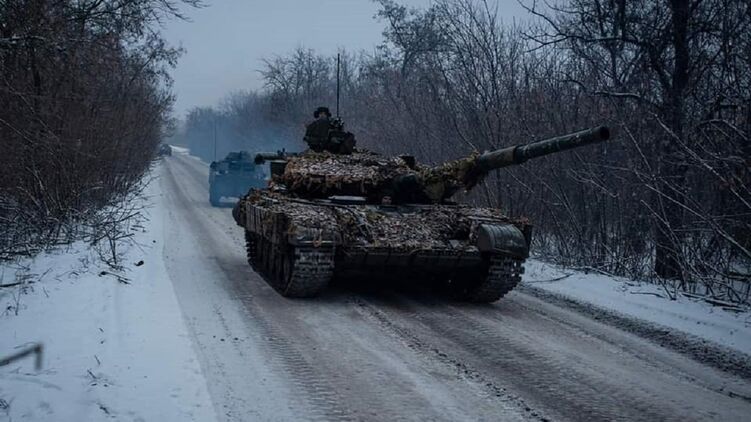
column 503, row 274
column 312, row 269
column 294, row 272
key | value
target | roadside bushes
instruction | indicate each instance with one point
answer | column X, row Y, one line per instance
column 83, row 105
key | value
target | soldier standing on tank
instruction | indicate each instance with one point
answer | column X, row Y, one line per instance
column 317, row 131
column 327, row 134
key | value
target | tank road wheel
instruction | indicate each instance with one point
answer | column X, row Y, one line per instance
column 304, row 271
column 501, row 276
column 294, row 272
column 259, row 253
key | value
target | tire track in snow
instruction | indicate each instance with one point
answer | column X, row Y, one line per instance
column 323, row 402
column 568, row 379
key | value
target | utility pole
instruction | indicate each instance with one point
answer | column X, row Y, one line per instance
column 337, row 84
column 214, row 138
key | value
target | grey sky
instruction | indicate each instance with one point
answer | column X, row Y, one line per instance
column 227, row 40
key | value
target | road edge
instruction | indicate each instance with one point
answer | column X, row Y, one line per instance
column 701, row 350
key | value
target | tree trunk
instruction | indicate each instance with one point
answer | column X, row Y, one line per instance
column 672, row 174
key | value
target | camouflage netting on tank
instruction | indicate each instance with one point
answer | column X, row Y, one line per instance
column 423, row 227
column 356, row 174
column 293, row 213
column 442, row 181
column 428, row 228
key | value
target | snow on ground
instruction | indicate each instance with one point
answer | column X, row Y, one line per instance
column 645, row 301
column 179, row 150
column 111, row 350
column 186, row 152
column 122, row 350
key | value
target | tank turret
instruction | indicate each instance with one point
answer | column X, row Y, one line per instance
column 379, row 179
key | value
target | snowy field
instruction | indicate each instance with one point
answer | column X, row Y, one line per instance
column 116, row 345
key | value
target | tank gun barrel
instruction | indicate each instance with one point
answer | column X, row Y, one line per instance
column 520, row 153
column 262, row 157
column 436, row 184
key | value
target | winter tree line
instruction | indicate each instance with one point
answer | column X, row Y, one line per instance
column 84, row 101
column 669, row 200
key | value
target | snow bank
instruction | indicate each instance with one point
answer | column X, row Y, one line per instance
column 111, row 349
column 180, row 150
column 645, row 301
column 186, row 151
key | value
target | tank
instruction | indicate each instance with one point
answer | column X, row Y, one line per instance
column 233, row 176
column 359, row 215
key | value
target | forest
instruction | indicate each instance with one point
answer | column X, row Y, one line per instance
column 84, row 102
column 668, row 200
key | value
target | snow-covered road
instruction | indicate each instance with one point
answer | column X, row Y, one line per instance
column 395, row 354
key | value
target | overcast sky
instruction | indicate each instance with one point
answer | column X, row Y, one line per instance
column 226, row 41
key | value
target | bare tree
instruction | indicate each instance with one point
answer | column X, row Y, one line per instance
column 83, row 102
column 681, row 61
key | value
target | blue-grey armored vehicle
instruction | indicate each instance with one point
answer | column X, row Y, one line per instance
column 234, row 176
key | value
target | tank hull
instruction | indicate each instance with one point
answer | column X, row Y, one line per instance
column 446, row 244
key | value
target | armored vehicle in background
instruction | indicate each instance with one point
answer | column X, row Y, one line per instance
column 358, row 214
column 233, row 176
column 164, row 150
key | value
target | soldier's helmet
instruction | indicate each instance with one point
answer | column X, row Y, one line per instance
column 321, row 110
